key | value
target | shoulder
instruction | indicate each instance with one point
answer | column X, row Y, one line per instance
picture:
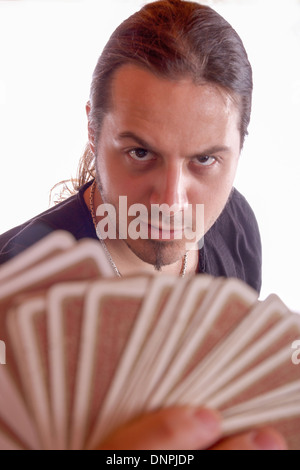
column 233, row 244
column 239, row 210
column 70, row 215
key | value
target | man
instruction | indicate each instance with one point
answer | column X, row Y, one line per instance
column 183, row 87
column 168, row 114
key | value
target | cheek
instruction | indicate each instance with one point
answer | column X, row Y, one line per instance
column 214, row 195
column 217, row 197
column 116, row 182
column 110, row 176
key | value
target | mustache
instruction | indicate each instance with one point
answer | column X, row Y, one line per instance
column 166, row 223
column 159, row 220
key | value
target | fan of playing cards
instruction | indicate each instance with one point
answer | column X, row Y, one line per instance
column 86, row 351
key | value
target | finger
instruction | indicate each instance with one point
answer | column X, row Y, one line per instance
column 180, row 428
column 262, row 439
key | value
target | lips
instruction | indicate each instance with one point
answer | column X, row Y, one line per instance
column 169, row 226
column 165, row 233
column 162, row 231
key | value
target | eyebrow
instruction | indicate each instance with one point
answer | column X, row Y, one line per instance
column 137, row 139
column 209, row 151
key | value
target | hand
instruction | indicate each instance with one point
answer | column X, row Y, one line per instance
column 261, row 439
column 184, row 428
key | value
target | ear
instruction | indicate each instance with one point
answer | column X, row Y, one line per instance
column 91, row 133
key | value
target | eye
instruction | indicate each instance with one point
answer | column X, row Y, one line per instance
column 205, row 160
column 140, row 154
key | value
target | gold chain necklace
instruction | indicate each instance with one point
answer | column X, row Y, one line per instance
column 92, row 210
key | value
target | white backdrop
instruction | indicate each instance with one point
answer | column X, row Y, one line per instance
column 48, row 50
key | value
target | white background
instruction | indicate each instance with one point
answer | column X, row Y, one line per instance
column 48, row 50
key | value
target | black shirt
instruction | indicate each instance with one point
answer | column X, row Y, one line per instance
column 232, row 247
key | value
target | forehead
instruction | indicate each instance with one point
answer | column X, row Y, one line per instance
column 170, row 107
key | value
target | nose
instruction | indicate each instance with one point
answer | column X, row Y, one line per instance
column 170, row 188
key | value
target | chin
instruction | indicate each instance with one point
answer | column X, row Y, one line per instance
column 157, row 253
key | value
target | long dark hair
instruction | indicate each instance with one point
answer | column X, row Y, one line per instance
column 172, row 39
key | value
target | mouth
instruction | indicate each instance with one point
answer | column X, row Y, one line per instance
column 165, row 232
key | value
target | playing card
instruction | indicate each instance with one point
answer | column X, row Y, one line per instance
column 49, row 246
column 154, row 302
column 8, row 441
column 16, row 426
column 214, row 366
column 279, row 408
column 265, row 384
column 177, row 316
column 266, row 365
column 114, row 410
column 289, row 427
column 226, row 305
column 86, row 351
column 111, row 309
column 65, row 309
column 279, row 396
column 28, row 331
column 86, row 260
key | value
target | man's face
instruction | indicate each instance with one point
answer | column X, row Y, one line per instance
column 167, row 142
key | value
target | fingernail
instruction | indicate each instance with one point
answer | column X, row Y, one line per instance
column 268, row 440
column 210, row 420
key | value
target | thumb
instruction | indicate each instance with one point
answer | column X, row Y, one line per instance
column 176, row 428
